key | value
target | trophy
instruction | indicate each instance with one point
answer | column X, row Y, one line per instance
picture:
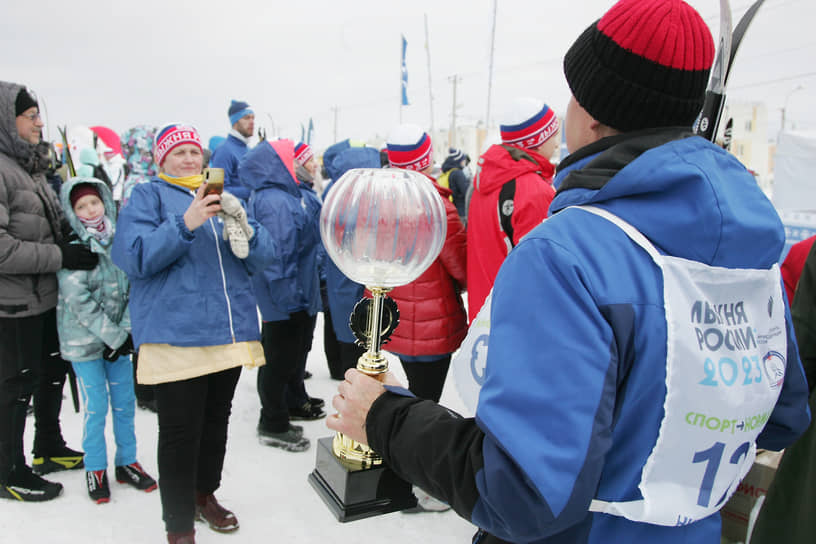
column 382, row 228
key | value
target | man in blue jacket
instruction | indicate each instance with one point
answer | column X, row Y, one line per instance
column 640, row 347
column 229, row 153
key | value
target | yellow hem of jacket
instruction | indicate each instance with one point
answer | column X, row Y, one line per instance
column 162, row 363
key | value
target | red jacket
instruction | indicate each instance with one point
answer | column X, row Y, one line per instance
column 793, row 264
column 487, row 242
column 432, row 316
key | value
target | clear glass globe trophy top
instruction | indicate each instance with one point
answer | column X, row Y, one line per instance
column 382, row 228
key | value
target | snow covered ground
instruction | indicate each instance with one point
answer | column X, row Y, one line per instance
column 265, row 487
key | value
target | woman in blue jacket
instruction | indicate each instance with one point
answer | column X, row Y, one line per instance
column 194, row 321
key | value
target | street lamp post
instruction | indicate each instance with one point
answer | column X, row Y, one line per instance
column 785, row 107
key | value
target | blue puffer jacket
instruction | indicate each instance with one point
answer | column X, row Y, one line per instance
column 289, row 284
column 343, row 292
column 92, row 311
column 227, row 156
column 187, row 288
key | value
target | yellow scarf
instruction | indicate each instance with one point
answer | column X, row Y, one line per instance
column 188, row 182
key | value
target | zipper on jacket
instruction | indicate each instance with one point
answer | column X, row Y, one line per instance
column 223, row 278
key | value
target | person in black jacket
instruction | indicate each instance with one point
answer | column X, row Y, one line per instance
column 454, row 178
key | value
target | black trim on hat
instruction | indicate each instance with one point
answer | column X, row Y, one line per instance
column 23, row 102
column 628, row 92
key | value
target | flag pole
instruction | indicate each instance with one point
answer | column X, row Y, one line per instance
column 430, row 86
column 490, row 69
column 402, row 76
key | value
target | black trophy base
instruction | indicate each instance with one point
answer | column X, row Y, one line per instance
column 357, row 493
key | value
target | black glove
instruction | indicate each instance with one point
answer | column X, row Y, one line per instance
column 127, row 346
column 78, row 257
column 112, row 354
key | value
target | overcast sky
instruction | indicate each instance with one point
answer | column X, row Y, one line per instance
column 125, row 63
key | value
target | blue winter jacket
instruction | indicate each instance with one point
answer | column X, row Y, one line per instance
column 92, row 311
column 187, row 288
column 314, row 205
column 343, row 293
column 575, row 376
column 289, row 284
column 227, row 156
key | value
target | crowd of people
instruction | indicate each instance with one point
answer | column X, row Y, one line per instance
column 602, row 285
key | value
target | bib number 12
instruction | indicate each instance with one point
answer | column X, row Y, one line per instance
column 713, row 456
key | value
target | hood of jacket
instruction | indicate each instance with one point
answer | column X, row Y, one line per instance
column 336, row 169
column 355, row 157
column 501, row 163
column 701, row 200
column 270, row 164
column 450, row 163
column 33, row 158
column 348, row 159
column 76, row 224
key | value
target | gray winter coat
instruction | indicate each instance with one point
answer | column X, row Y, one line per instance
column 31, row 221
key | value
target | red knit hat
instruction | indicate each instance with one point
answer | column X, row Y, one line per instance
column 82, row 189
column 303, row 152
column 409, row 147
column 528, row 123
column 171, row 136
column 644, row 64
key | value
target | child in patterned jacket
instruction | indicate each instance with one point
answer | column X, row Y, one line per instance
column 94, row 330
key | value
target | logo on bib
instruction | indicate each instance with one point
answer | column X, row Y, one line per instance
column 774, row 365
column 478, row 358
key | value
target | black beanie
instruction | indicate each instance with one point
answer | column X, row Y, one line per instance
column 644, row 64
column 23, row 102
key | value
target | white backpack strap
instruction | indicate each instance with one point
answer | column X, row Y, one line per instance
column 631, row 231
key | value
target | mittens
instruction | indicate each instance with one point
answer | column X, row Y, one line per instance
column 112, row 354
column 237, row 230
column 78, row 257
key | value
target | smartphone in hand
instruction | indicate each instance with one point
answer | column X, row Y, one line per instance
column 214, row 179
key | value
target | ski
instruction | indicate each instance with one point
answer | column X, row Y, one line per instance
column 709, row 120
column 739, row 32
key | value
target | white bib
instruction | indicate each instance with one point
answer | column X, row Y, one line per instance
column 725, row 365
column 469, row 362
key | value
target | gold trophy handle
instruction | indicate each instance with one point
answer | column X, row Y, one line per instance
column 372, row 363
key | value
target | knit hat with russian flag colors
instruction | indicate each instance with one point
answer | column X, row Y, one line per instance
column 644, row 64
column 303, row 152
column 171, row 136
column 528, row 123
column 409, row 147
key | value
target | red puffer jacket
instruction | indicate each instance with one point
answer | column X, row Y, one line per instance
column 433, row 320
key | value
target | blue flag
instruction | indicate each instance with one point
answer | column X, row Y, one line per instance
column 404, row 73
column 309, row 132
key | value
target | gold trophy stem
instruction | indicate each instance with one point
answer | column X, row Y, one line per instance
column 373, row 363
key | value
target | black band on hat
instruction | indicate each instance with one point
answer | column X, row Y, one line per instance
column 629, row 92
column 23, row 102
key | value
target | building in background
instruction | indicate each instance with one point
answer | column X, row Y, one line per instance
column 749, row 140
